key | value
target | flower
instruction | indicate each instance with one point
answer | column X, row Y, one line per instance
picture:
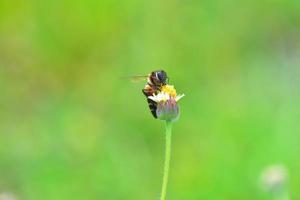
column 166, row 99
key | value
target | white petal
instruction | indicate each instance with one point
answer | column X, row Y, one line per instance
column 162, row 96
column 153, row 98
column 178, row 97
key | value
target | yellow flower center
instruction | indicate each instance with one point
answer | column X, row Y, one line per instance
column 169, row 89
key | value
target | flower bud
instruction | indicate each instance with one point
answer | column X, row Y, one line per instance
column 167, row 110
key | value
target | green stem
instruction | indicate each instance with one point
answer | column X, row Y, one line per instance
column 167, row 159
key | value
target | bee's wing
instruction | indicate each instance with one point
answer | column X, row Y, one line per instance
column 138, row 78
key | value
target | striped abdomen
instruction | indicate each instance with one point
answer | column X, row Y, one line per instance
column 149, row 91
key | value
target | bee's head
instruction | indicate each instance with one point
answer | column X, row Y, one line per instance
column 161, row 77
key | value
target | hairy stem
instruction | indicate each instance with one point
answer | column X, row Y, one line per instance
column 167, row 160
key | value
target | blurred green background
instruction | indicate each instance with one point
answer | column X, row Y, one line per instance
column 72, row 128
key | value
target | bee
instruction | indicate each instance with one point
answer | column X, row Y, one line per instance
column 155, row 81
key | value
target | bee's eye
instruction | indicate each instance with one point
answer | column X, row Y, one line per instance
column 162, row 76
